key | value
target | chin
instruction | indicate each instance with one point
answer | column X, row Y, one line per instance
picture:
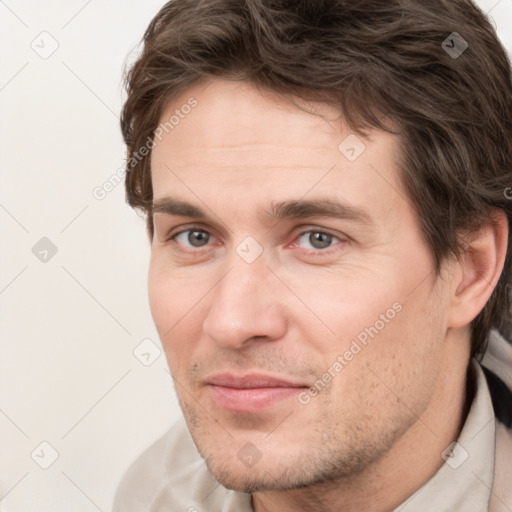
column 278, row 473
column 244, row 480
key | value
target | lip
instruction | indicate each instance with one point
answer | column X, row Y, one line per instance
column 251, row 393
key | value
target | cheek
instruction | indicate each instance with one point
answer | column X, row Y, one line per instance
column 405, row 358
column 382, row 322
column 160, row 300
column 172, row 293
column 343, row 308
column 177, row 312
column 388, row 380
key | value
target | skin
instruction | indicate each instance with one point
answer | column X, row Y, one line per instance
column 375, row 433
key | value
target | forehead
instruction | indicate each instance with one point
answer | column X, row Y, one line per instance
column 239, row 139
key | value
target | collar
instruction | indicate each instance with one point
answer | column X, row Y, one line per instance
column 465, row 480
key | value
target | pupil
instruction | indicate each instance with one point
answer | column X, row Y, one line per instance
column 198, row 238
column 320, row 240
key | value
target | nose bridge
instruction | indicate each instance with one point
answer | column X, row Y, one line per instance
column 244, row 305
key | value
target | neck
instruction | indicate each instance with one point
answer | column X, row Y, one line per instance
column 409, row 464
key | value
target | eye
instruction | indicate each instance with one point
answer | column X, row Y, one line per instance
column 317, row 240
column 193, row 237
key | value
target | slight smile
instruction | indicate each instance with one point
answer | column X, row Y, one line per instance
column 250, row 393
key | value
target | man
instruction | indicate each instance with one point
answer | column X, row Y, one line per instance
column 325, row 183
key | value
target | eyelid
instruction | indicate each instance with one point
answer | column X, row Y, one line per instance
column 190, row 251
column 170, row 230
column 173, row 234
column 310, row 229
column 341, row 238
column 313, row 229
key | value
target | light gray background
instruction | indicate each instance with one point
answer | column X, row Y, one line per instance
column 69, row 324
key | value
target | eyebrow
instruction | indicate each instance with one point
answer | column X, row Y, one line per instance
column 285, row 210
column 324, row 207
column 171, row 206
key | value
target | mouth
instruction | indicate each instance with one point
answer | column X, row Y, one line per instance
column 250, row 393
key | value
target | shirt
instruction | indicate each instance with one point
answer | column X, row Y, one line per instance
column 171, row 475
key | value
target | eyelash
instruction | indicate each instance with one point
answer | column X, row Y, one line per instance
column 172, row 238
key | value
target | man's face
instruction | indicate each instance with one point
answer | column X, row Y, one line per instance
column 305, row 338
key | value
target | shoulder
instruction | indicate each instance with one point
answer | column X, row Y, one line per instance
column 171, row 475
column 497, row 365
column 148, row 476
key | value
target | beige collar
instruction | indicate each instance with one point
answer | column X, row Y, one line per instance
column 465, row 480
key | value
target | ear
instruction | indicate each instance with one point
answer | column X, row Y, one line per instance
column 478, row 270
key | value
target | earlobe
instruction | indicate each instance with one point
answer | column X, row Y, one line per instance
column 480, row 268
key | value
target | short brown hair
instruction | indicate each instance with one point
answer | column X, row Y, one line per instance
column 373, row 59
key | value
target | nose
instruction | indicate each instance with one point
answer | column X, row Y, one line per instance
column 246, row 305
